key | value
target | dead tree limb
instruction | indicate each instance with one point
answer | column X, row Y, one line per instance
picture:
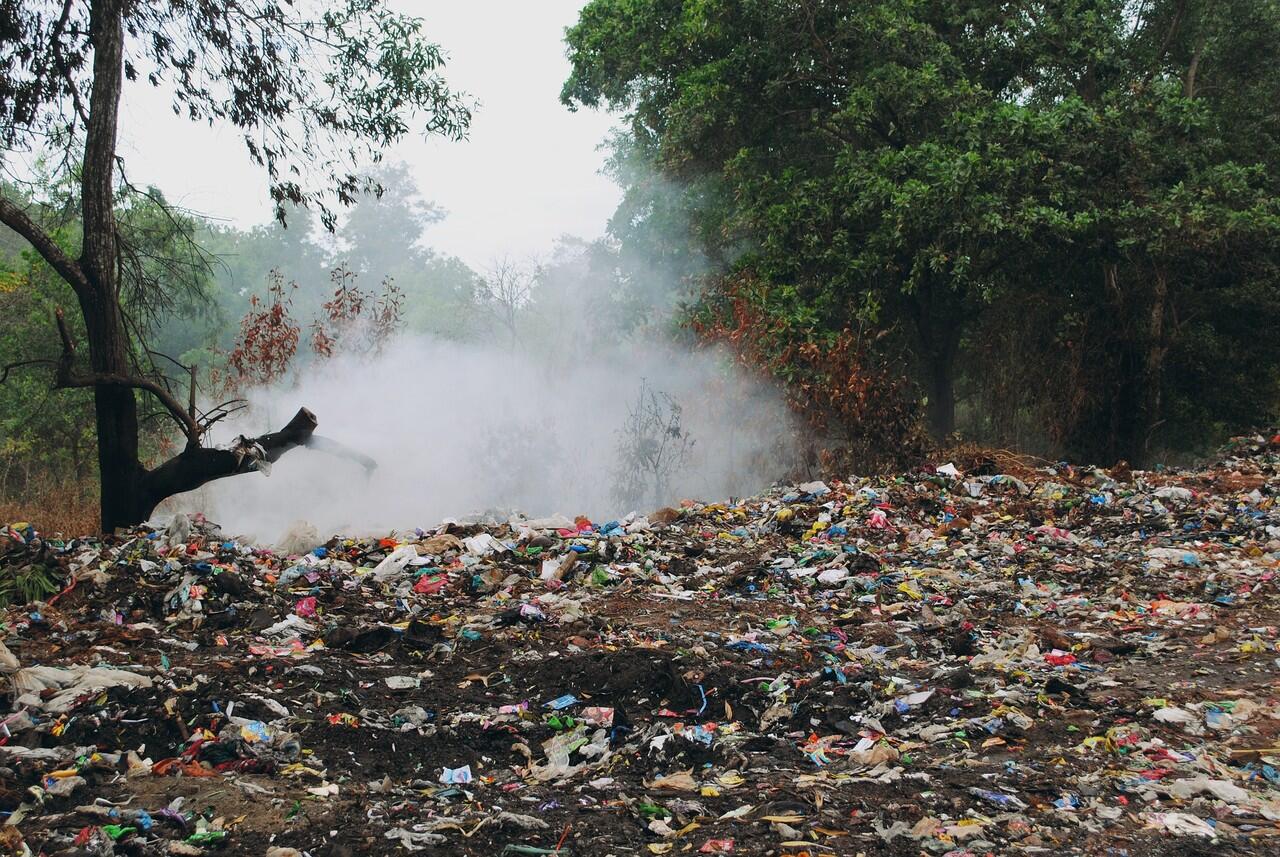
column 197, row 466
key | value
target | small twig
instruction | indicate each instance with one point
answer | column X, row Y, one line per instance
column 191, row 394
column 4, row 375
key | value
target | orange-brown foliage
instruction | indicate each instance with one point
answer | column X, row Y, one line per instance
column 860, row 415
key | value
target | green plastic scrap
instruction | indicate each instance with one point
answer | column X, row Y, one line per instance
column 205, row 837
column 117, row 831
column 442, row 794
column 560, row 723
column 652, row 810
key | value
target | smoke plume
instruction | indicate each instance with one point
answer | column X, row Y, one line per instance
column 559, row 419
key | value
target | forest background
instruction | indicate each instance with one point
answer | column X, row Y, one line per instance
column 1051, row 228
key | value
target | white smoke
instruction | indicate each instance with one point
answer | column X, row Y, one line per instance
column 460, row 429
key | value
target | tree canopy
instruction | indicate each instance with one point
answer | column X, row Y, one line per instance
column 1078, row 197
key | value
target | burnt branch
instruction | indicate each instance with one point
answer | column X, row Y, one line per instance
column 196, row 466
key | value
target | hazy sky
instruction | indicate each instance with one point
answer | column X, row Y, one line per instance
column 528, row 174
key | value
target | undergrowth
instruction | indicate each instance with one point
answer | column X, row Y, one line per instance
column 65, row 508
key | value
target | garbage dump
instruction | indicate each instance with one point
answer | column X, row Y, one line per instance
column 968, row 659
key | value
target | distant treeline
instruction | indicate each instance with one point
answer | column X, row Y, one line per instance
column 203, row 279
column 1048, row 227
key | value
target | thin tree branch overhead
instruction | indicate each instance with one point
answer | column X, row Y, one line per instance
column 66, row 377
column 17, row 219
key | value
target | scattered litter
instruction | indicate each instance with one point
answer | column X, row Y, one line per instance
column 958, row 660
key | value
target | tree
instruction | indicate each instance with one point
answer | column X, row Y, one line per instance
column 384, row 231
column 505, row 292
column 910, row 165
column 163, row 272
column 386, row 237
column 313, row 96
column 357, row 321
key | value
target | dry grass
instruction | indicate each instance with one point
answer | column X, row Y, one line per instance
column 67, row 509
column 968, row 455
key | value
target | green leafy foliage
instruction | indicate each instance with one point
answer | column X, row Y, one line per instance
column 22, row 585
column 925, row 170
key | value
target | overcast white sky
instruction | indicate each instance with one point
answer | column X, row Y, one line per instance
column 528, row 174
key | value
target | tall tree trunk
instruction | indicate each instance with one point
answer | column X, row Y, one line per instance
column 116, row 409
column 1134, row 411
column 117, row 415
column 939, row 317
column 942, row 396
column 1151, row 380
column 130, row 492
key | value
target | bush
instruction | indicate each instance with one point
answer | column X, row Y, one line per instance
column 860, row 414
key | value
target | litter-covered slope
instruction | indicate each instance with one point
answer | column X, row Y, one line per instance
column 949, row 662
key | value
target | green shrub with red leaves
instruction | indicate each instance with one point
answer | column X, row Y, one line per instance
column 859, row 411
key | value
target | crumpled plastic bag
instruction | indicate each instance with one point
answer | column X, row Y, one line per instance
column 559, row 748
column 1223, row 790
column 1175, row 494
column 10, row 753
column 525, row 822
column 1162, row 557
column 415, row 841
column 71, row 682
column 552, row 522
column 1179, row 824
column 483, row 544
column 1172, row 714
column 681, row 781
column 395, row 563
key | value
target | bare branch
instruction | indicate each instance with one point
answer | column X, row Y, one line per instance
column 5, row 370
column 65, row 377
column 191, row 395
column 13, row 216
column 184, row 367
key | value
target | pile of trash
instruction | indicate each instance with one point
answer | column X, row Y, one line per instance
column 973, row 659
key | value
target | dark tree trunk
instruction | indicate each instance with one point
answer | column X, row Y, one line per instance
column 129, row 492
column 197, row 465
column 1153, row 361
column 1145, row 384
column 1129, row 405
column 939, row 316
column 116, row 409
column 117, row 415
column 942, row 397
